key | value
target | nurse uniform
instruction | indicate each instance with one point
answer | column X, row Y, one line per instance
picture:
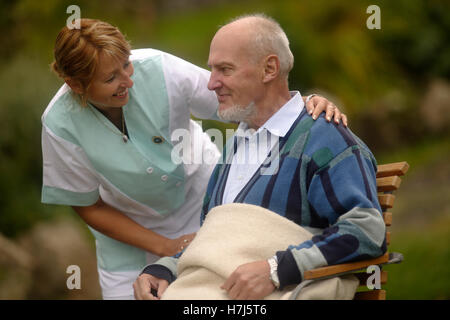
column 85, row 157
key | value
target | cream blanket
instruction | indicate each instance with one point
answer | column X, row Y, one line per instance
column 234, row 234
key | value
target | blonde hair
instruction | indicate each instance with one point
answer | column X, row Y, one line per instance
column 269, row 38
column 77, row 51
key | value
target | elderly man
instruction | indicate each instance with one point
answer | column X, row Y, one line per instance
column 315, row 173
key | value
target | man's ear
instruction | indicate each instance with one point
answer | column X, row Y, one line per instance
column 75, row 85
column 271, row 68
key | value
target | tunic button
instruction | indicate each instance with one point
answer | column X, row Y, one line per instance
column 149, row 170
column 164, row 178
column 157, row 139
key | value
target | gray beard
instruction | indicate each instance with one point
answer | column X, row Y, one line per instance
column 237, row 113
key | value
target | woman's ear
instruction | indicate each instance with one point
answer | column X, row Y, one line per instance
column 271, row 68
column 75, row 85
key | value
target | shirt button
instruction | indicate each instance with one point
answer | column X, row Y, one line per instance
column 164, row 177
column 149, row 170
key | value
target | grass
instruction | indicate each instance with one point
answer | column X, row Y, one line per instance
column 425, row 272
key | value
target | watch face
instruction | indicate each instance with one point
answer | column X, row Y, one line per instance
column 273, row 272
column 275, row 281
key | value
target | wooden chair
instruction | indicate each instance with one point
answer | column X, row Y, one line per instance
column 388, row 180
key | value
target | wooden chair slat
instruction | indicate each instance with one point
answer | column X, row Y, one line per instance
column 386, row 184
column 387, row 216
column 342, row 268
column 386, row 201
column 370, row 295
column 392, row 169
column 362, row 277
column 388, row 238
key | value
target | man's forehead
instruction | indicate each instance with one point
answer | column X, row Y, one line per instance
column 228, row 48
column 219, row 56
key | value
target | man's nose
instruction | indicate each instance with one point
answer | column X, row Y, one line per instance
column 213, row 82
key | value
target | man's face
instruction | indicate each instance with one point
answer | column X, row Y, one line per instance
column 235, row 77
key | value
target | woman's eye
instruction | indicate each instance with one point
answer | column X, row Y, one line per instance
column 110, row 80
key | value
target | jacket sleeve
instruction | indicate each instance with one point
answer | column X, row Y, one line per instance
column 164, row 268
column 342, row 195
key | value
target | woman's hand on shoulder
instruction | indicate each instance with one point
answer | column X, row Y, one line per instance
column 316, row 104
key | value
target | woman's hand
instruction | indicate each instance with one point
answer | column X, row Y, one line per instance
column 118, row 226
column 317, row 104
column 174, row 246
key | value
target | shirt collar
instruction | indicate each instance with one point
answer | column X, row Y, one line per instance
column 281, row 121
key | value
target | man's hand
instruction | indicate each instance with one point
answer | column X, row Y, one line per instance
column 317, row 104
column 145, row 283
column 250, row 281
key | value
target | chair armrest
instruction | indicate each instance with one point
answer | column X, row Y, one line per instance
column 339, row 269
column 392, row 169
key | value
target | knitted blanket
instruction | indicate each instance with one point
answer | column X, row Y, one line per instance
column 234, row 234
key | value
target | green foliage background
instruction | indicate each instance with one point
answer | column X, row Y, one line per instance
column 377, row 77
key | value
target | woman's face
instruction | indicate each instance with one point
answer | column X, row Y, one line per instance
column 110, row 84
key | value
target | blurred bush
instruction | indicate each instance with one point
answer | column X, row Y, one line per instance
column 27, row 83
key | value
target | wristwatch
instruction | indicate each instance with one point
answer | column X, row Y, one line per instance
column 273, row 263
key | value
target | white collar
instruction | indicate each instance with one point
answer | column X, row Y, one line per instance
column 281, row 121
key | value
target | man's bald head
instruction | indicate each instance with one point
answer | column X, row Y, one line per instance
column 264, row 37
